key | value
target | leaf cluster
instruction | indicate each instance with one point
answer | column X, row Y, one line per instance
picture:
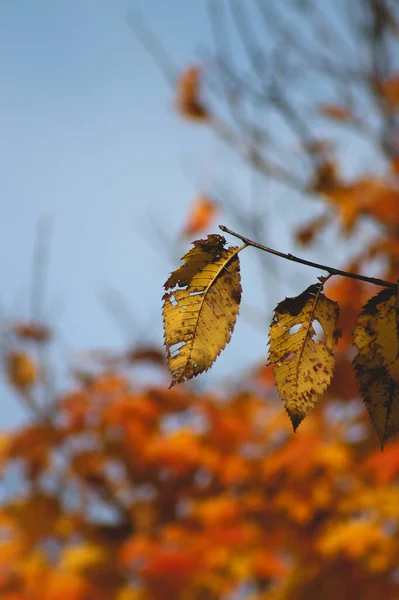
column 201, row 304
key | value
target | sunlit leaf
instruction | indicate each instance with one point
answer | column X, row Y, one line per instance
column 304, row 365
column 200, row 314
column 377, row 363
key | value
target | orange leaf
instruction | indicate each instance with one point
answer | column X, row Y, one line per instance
column 370, row 195
column 349, row 293
column 34, row 444
column 200, row 216
column 188, row 102
column 66, row 586
column 217, row 511
column 268, row 566
column 384, row 465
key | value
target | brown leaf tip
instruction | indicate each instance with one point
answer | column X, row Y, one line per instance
column 296, row 419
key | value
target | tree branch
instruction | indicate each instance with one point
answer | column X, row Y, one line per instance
column 302, row 261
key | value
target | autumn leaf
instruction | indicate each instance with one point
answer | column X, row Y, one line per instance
column 357, row 537
column 150, row 354
column 21, row 370
column 188, row 99
column 336, row 112
column 304, row 366
column 367, row 196
column 32, row 331
column 326, row 177
column 82, row 557
column 305, row 235
column 201, row 215
column 384, row 465
column 199, row 316
column 350, row 295
column 377, row 363
column 389, row 88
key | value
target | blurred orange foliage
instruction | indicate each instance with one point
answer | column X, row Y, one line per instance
column 162, row 494
column 201, row 215
column 188, row 99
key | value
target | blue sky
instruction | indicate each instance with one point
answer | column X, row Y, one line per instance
column 91, row 142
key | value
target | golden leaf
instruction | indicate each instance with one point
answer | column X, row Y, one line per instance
column 21, row 370
column 81, row 558
column 377, row 363
column 200, row 315
column 304, row 365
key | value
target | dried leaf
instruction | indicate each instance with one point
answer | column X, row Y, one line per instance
column 151, row 354
column 389, row 88
column 306, row 234
column 36, row 332
column 188, row 101
column 326, row 177
column 201, row 215
column 200, row 315
column 336, row 112
column 377, row 363
column 304, row 365
column 368, row 196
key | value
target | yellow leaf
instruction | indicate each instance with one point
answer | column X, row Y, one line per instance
column 377, row 362
column 21, row 370
column 355, row 538
column 82, row 557
column 304, row 365
column 200, row 315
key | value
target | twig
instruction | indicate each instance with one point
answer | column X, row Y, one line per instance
column 40, row 268
column 302, row 261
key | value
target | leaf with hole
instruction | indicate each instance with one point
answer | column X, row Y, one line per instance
column 200, row 307
column 377, row 363
column 304, row 362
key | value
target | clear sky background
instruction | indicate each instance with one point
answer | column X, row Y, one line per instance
column 91, row 141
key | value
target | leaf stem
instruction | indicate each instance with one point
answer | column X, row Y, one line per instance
column 302, row 261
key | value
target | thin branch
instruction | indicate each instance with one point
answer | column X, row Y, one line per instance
column 40, row 268
column 153, row 45
column 302, row 261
